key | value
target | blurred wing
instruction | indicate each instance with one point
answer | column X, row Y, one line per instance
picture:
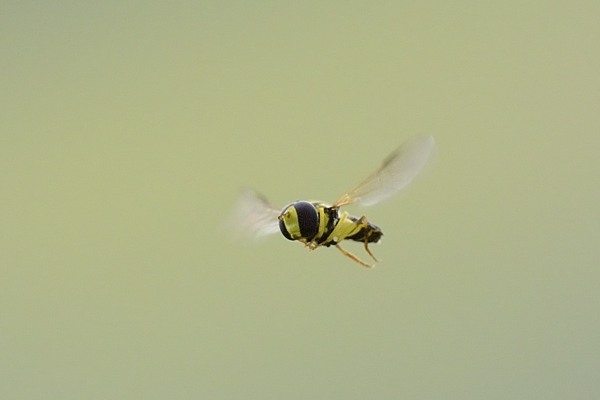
column 252, row 216
column 396, row 172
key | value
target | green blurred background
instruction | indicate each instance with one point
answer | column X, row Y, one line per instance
column 128, row 129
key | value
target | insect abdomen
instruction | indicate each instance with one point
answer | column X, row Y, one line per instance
column 371, row 232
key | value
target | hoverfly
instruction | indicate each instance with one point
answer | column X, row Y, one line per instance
column 316, row 224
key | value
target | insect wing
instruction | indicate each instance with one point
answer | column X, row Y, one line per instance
column 396, row 172
column 253, row 216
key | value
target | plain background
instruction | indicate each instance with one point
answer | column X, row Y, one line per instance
column 129, row 127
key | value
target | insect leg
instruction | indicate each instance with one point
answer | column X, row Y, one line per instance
column 369, row 251
column 353, row 257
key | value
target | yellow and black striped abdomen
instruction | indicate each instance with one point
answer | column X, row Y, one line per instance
column 367, row 233
column 346, row 227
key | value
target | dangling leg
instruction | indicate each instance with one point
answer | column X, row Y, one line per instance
column 369, row 251
column 363, row 222
column 352, row 256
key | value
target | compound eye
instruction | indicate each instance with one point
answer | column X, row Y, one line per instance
column 308, row 219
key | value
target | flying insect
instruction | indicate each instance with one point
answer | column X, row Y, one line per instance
column 316, row 224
